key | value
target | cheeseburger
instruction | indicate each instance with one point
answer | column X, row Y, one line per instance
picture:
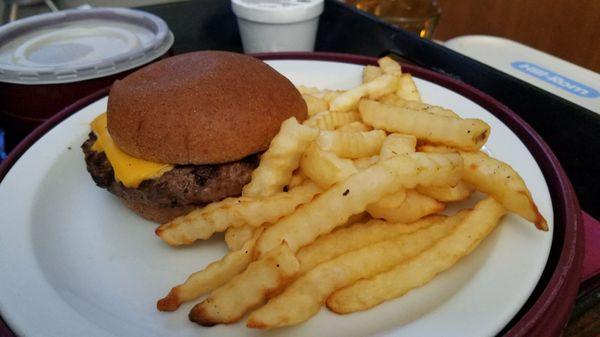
column 187, row 131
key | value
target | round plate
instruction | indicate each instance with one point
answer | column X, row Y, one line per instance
column 74, row 261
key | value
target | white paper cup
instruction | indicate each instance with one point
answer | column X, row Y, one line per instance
column 277, row 25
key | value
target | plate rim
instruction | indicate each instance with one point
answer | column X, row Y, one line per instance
column 560, row 278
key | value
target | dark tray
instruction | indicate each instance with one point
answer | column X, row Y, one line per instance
column 210, row 24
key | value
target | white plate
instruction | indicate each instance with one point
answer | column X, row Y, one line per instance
column 75, row 262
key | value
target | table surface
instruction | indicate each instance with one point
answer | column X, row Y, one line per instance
column 556, row 27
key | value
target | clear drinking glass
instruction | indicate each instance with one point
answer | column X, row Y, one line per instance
column 418, row 16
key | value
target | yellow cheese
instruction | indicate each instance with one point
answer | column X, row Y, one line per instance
column 130, row 171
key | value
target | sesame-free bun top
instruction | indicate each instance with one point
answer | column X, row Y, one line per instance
column 205, row 107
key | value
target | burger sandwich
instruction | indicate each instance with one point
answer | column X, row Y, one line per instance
column 188, row 130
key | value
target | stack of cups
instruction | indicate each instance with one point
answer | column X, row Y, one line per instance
column 277, row 25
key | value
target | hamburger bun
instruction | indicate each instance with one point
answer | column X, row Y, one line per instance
column 206, row 107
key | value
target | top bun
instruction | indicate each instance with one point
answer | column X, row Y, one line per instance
column 207, row 107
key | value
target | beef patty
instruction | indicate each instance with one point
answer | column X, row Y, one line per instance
column 184, row 185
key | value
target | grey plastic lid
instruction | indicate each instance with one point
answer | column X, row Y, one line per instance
column 80, row 44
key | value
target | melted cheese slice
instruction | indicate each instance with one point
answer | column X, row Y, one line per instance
column 130, row 171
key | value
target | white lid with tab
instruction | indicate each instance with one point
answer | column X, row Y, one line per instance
column 80, row 44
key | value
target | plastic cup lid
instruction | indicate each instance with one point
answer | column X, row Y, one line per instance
column 80, row 44
column 277, row 11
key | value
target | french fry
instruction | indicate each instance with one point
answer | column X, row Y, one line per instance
column 407, row 89
column 396, row 144
column 381, row 86
column 414, row 207
column 298, row 178
column 393, row 200
column 305, row 296
column 434, row 109
column 245, row 291
column 234, row 212
column 416, row 106
column 351, row 144
column 330, row 120
column 333, row 207
column 431, row 148
column 376, row 88
column 503, row 183
column 356, row 218
column 447, row 193
column 365, row 162
column 426, row 169
column 354, row 127
column 393, row 99
column 280, row 160
column 389, row 66
column 358, row 235
column 330, row 95
column 236, row 237
column 324, row 168
column 370, row 73
column 314, row 104
column 419, row 270
column 211, row 277
column 330, row 210
column 303, row 89
column 437, row 110
column 348, row 100
column 466, row 134
column 389, row 202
